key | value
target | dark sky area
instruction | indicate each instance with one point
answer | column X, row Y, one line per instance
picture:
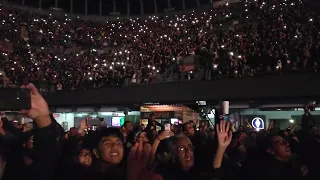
column 107, row 5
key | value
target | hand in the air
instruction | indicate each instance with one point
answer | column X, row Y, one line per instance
column 224, row 134
column 83, row 126
column 39, row 111
column 138, row 164
column 165, row 134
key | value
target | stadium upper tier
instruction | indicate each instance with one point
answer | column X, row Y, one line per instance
column 114, row 7
column 240, row 39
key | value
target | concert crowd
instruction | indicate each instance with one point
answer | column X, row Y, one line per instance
column 193, row 150
column 238, row 39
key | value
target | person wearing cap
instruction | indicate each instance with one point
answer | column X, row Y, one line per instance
column 152, row 123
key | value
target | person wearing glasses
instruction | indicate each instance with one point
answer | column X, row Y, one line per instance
column 276, row 162
column 176, row 155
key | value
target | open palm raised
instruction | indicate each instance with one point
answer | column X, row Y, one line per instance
column 224, row 134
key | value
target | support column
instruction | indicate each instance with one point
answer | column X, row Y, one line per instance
column 86, row 7
column 40, row 4
column 100, row 7
column 128, row 7
column 225, row 107
column 183, row 4
column 155, row 6
column 222, row 113
column 56, row 3
column 114, row 6
column 71, row 6
column 141, row 7
column 198, row 3
column 169, row 4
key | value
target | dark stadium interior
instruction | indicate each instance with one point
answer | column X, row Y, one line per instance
column 159, row 89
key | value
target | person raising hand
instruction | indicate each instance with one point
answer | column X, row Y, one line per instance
column 39, row 111
column 138, row 164
column 224, row 138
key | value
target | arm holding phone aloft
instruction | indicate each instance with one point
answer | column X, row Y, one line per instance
column 83, row 126
column 163, row 135
column 39, row 111
column 47, row 136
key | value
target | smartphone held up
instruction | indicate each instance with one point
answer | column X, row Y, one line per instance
column 14, row 99
column 95, row 121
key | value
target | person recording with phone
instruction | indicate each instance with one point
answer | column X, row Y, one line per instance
column 46, row 141
column 152, row 123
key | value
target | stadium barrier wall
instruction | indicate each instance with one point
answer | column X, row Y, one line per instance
column 289, row 86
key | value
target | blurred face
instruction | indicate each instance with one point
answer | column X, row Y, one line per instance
column 253, row 135
column 204, row 128
column 242, row 138
column 189, row 130
column 280, row 148
column 286, row 134
column 241, row 128
column 85, row 158
column 16, row 125
column 73, row 131
column 66, row 136
column 128, row 127
column 110, row 150
column 212, row 134
column 185, row 153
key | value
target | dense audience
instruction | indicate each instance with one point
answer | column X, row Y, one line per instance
column 194, row 150
column 239, row 39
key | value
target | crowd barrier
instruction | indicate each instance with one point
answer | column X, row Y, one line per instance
column 292, row 86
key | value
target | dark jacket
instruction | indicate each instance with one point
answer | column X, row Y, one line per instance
column 46, row 153
column 269, row 168
column 193, row 174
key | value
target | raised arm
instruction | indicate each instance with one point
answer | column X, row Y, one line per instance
column 224, row 138
column 47, row 136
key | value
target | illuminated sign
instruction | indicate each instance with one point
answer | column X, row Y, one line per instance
column 257, row 123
